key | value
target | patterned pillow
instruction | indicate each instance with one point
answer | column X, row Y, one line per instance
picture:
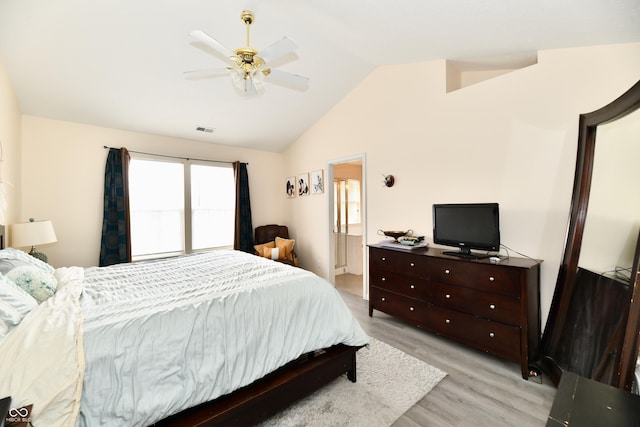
column 14, row 305
column 260, row 249
column 272, row 253
column 34, row 281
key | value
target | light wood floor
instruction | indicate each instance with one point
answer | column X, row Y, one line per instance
column 348, row 282
column 479, row 390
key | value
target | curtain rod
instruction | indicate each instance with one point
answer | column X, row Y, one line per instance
column 175, row 157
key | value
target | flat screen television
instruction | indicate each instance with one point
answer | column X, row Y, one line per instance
column 467, row 226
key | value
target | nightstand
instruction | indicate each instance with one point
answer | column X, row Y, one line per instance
column 580, row 402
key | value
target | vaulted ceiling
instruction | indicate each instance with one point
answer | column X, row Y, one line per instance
column 120, row 63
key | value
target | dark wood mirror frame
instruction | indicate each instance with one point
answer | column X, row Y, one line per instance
column 622, row 355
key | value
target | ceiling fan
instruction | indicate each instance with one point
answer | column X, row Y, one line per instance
column 248, row 67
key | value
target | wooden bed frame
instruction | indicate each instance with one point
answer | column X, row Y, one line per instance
column 273, row 393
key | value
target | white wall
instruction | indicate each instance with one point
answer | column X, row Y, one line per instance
column 63, row 177
column 10, row 156
column 511, row 139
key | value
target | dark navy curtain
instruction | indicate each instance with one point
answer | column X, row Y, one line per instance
column 115, row 246
column 243, row 235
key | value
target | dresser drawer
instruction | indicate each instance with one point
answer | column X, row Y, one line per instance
column 398, row 262
column 406, row 285
column 484, row 277
column 492, row 337
column 493, row 306
column 409, row 309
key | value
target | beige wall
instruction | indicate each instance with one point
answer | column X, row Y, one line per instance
column 63, row 176
column 10, row 157
column 511, row 139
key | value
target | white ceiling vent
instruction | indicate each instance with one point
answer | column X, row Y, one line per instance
column 204, row 129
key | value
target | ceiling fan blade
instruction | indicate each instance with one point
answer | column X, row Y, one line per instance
column 277, row 50
column 290, row 80
column 212, row 43
column 206, row 73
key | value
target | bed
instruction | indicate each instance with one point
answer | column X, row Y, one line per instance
column 204, row 339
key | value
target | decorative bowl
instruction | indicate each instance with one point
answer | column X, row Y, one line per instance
column 395, row 234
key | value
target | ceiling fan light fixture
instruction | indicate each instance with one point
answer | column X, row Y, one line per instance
column 247, row 83
column 257, row 76
column 246, row 68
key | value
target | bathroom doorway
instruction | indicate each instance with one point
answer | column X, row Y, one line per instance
column 347, row 225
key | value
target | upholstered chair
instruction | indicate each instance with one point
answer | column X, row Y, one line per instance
column 273, row 236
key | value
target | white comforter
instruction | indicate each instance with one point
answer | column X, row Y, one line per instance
column 42, row 360
column 161, row 336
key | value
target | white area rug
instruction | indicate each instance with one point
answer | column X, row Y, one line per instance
column 389, row 382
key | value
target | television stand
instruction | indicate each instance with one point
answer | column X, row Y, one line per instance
column 462, row 254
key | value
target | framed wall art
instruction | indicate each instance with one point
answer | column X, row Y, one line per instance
column 303, row 184
column 317, row 182
column 291, row 186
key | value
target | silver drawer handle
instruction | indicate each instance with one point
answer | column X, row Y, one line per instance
column 447, row 321
column 491, row 334
column 491, row 279
column 412, row 265
column 492, row 306
column 384, row 259
column 384, row 279
column 411, row 308
column 446, row 271
column 447, row 296
column 412, row 286
column 383, row 299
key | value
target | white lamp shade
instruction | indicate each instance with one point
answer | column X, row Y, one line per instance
column 31, row 234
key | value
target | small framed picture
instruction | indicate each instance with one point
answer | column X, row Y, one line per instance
column 317, row 182
column 291, row 186
column 303, row 184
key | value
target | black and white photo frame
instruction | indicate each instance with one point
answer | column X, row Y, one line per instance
column 317, row 182
column 291, row 187
column 303, row 184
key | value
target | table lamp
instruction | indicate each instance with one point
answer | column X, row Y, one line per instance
column 32, row 233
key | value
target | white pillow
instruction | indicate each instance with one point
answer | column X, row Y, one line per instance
column 15, row 304
column 16, row 254
column 6, row 264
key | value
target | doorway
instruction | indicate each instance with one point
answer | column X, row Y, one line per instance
column 347, row 225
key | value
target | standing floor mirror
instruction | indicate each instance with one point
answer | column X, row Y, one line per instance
column 594, row 320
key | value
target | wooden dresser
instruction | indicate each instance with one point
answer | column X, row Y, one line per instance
column 492, row 307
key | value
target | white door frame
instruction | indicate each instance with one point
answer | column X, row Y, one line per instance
column 330, row 197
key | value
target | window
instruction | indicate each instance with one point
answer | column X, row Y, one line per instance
column 179, row 206
column 213, row 202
